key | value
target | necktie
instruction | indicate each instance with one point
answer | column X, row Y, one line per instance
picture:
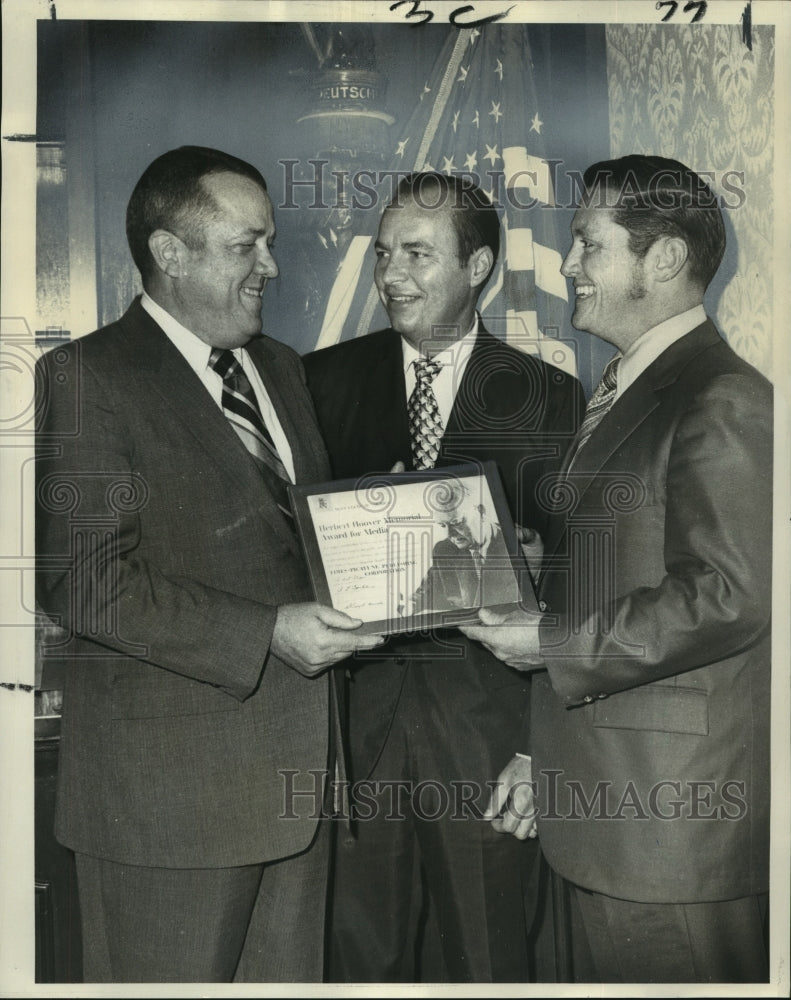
column 240, row 406
column 599, row 403
column 425, row 422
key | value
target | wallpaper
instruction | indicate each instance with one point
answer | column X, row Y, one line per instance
column 701, row 95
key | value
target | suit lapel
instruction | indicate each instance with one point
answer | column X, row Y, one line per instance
column 623, row 419
column 486, row 385
column 171, row 377
column 640, row 399
column 475, row 363
column 387, row 390
column 289, row 398
column 628, row 412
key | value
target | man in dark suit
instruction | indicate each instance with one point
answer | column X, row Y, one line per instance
column 650, row 726
column 471, row 567
column 439, row 711
column 197, row 705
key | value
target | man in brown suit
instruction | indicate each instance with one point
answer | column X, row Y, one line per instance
column 650, row 725
column 197, row 705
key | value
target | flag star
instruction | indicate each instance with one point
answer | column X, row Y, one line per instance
column 473, row 35
column 491, row 154
column 456, row 119
column 476, row 121
column 448, row 166
column 463, row 71
column 496, row 112
column 536, row 124
column 402, row 147
column 471, row 161
column 498, row 69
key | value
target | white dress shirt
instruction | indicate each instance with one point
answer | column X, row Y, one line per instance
column 447, row 381
column 649, row 345
column 196, row 353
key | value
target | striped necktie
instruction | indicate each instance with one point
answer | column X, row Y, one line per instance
column 240, row 406
column 599, row 403
column 425, row 421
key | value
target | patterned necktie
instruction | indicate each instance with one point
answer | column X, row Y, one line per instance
column 240, row 406
column 425, row 422
column 599, row 403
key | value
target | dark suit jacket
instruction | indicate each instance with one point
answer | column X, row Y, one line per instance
column 659, row 588
column 510, row 408
column 164, row 556
column 453, row 581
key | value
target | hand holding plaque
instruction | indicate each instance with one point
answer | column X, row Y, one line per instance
column 413, row 550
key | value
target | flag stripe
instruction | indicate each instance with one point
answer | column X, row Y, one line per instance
column 528, row 173
column 548, row 276
column 519, row 248
column 342, row 293
column 445, row 89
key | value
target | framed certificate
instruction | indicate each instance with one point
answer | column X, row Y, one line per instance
column 415, row 550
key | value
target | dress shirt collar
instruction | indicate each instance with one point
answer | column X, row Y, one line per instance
column 195, row 351
column 647, row 348
column 455, row 355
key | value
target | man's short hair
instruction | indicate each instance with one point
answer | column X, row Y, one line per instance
column 170, row 195
column 447, row 495
column 651, row 197
column 474, row 217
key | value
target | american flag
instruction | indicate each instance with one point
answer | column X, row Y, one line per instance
column 478, row 115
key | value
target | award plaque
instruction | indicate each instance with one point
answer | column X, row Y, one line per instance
column 413, row 550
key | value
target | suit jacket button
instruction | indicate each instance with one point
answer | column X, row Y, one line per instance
column 588, row 699
column 601, row 695
column 542, row 605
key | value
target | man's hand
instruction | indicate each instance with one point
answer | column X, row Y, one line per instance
column 512, row 638
column 512, row 806
column 311, row 637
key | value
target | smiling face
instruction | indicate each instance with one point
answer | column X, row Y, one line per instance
column 218, row 292
column 428, row 292
column 609, row 280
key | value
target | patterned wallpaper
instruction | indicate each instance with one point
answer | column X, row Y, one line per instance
column 698, row 94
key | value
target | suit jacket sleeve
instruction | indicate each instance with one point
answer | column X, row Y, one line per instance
column 96, row 584
column 709, row 509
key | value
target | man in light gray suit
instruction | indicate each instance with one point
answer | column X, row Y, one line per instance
column 197, row 706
